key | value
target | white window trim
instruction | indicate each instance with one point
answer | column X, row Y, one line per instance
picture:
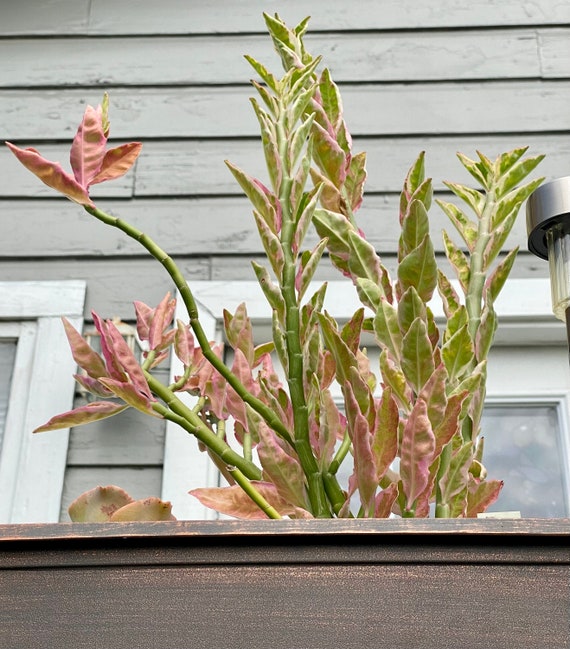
column 524, row 310
column 32, row 467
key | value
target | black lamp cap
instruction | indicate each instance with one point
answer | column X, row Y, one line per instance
column 546, row 207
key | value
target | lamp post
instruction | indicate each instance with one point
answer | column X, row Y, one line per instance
column 548, row 228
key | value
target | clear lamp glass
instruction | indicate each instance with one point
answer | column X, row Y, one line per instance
column 558, row 243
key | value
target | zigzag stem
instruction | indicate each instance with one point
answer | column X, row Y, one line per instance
column 161, row 256
column 179, row 413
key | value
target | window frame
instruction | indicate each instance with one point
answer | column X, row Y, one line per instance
column 526, row 319
column 32, row 467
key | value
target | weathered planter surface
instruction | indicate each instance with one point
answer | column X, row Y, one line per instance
column 287, row 584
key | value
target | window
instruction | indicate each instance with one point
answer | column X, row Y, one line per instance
column 528, row 385
column 37, row 382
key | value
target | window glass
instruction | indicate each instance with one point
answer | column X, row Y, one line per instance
column 523, row 447
column 7, row 356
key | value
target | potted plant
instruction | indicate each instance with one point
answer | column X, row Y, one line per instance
column 413, row 440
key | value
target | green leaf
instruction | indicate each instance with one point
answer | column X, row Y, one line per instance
column 387, row 328
column 306, row 217
column 257, row 194
column 300, row 105
column 466, row 228
column 512, row 201
column 328, row 155
column 516, row 173
column 498, row 238
column 498, row 277
column 456, row 478
column 344, row 357
column 309, row 264
column 270, row 150
column 419, row 269
column 279, row 341
column 263, row 72
column 369, row 292
column 415, row 226
column 458, row 353
column 448, row 294
column 394, row 378
column 299, row 140
column 355, row 179
column 363, row 260
column 480, row 172
column 486, row 331
column 416, row 175
column 473, row 198
column 458, row 261
column 410, row 307
column 417, row 361
column 505, row 161
column 270, row 290
column 331, row 99
column 271, row 245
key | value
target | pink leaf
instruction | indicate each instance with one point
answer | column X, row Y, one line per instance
column 184, row 343
column 52, row 174
column 144, row 318
column 114, row 369
column 130, row 395
column 98, row 505
column 94, row 411
column 88, row 147
column 481, row 495
column 127, row 360
column 161, row 319
column 385, row 501
column 83, row 355
column 117, row 162
column 233, row 501
column 417, row 448
column 385, row 443
column 279, row 467
column 92, row 385
column 149, row 509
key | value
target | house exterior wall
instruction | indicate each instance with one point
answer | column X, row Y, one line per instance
column 442, row 77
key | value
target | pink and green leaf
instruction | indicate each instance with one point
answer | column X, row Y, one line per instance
column 94, row 411
column 52, row 174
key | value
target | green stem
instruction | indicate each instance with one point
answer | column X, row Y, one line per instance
column 295, row 375
column 160, row 255
column 441, row 507
column 252, row 492
column 186, row 418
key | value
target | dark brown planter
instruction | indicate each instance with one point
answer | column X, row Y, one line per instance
column 489, row 584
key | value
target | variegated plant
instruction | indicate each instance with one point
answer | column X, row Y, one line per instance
column 413, row 432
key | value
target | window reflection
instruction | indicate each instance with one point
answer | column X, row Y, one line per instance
column 7, row 356
column 523, row 447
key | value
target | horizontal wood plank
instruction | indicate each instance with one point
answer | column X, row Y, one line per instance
column 112, row 284
column 179, row 16
column 196, row 167
column 38, row 17
column 182, row 227
column 408, row 56
column 399, row 109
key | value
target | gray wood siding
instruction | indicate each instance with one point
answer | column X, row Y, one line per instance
column 443, row 76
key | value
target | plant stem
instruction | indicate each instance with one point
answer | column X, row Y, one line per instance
column 295, row 375
column 182, row 415
column 160, row 255
column 252, row 492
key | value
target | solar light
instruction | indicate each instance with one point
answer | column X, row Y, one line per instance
column 548, row 228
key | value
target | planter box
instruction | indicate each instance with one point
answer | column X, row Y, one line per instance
column 489, row 584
